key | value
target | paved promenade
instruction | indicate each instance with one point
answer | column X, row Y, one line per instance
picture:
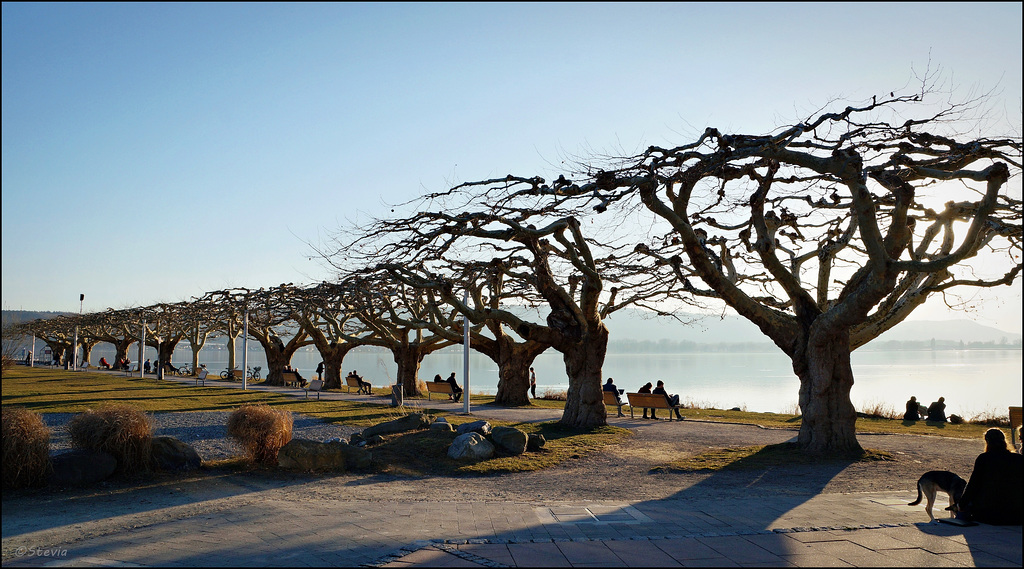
column 282, row 523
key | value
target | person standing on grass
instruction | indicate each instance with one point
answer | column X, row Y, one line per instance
column 533, row 383
column 320, row 370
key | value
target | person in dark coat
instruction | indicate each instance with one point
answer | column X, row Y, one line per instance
column 912, row 407
column 937, row 410
column 673, row 400
column 320, row 370
column 995, row 491
column 456, row 389
column 646, row 389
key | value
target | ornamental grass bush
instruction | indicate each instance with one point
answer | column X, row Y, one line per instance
column 261, row 431
column 120, row 430
column 26, row 442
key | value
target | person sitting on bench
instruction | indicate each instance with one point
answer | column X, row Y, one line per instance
column 364, row 386
column 456, row 390
column 673, row 400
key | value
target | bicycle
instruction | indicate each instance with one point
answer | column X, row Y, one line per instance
column 185, row 371
column 252, row 373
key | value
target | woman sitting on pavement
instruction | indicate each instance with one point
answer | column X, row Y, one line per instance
column 995, row 492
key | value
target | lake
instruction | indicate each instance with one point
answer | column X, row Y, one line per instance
column 972, row 381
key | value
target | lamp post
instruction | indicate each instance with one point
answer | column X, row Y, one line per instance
column 245, row 345
column 465, row 355
column 74, row 344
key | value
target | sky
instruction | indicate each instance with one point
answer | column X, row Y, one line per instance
column 154, row 152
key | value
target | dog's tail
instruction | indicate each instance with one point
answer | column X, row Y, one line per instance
column 918, row 500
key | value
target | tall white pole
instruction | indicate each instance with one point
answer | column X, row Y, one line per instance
column 245, row 347
column 142, row 349
column 74, row 345
column 465, row 356
column 32, row 355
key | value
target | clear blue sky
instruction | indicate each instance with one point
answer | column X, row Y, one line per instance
column 152, row 152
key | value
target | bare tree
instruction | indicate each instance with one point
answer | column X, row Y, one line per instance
column 486, row 290
column 826, row 233
column 325, row 312
column 526, row 241
column 400, row 318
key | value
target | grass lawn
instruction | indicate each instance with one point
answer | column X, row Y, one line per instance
column 416, row 453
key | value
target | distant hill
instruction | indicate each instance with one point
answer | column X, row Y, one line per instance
column 636, row 326
column 15, row 316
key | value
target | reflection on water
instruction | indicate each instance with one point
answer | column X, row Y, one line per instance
column 972, row 381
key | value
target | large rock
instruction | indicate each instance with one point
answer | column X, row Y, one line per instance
column 509, row 439
column 442, row 425
column 170, row 453
column 408, row 423
column 482, row 427
column 535, row 442
column 304, row 454
column 471, row 446
column 82, row 467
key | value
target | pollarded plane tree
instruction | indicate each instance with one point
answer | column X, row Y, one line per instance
column 399, row 317
column 485, row 289
column 120, row 328
column 270, row 318
column 520, row 231
column 226, row 317
column 164, row 329
column 197, row 319
column 831, row 231
column 57, row 333
column 325, row 312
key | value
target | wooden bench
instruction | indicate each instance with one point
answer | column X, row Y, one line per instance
column 610, row 399
column 1015, row 421
column 351, row 382
column 436, row 387
column 201, row 377
column 650, row 401
column 316, row 385
column 291, row 379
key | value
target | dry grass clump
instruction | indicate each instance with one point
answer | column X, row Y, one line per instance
column 118, row 429
column 26, row 442
column 880, row 410
column 991, row 418
column 554, row 395
column 261, row 431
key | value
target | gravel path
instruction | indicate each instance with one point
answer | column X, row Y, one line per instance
column 607, row 474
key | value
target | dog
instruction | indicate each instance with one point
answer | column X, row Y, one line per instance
column 939, row 480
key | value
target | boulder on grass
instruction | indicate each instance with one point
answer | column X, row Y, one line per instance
column 471, row 446
column 441, row 424
column 304, row 454
column 81, row 467
column 509, row 439
column 410, row 422
column 482, row 427
column 535, row 442
column 170, row 453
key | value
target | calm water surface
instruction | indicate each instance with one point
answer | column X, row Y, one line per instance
column 972, row 381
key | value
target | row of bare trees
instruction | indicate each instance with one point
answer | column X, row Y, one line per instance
column 825, row 234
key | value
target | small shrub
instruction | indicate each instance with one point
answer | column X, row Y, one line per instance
column 118, row 429
column 554, row 395
column 6, row 362
column 991, row 418
column 26, row 442
column 261, row 431
column 880, row 410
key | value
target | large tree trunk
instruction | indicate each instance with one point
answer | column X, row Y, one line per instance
column 276, row 360
column 408, row 358
column 333, row 358
column 121, row 349
column 514, row 361
column 822, row 362
column 231, row 352
column 584, row 406
column 167, row 352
